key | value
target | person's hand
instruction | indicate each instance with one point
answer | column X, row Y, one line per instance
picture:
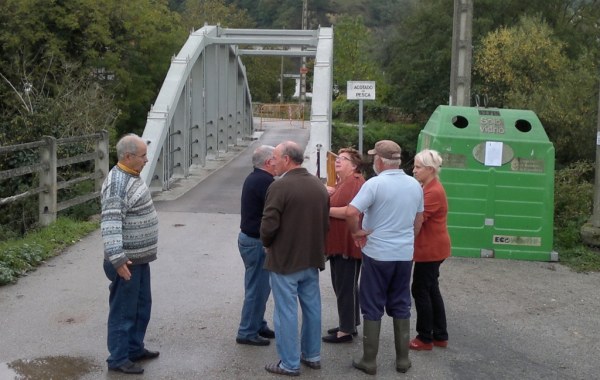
column 267, row 250
column 124, row 272
column 360, row 238
column 330, row 190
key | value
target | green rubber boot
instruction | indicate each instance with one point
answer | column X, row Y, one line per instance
column 401, row 338
column 368, row 363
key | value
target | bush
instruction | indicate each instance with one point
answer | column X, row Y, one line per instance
column 347, row 110
column 573, row 197
column 573, row 202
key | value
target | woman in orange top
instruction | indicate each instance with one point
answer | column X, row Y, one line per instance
column 344, row 256
column 432, row 247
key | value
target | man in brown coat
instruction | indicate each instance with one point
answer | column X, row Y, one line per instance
column 293, row 230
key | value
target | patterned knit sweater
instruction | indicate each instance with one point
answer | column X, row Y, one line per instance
column 129, row 221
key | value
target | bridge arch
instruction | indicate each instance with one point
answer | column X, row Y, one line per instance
column 204, row 106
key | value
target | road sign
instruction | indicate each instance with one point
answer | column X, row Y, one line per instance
column 360, row 90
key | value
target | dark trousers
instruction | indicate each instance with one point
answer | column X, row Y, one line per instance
column 431, row 313
column 385, row 286
column 344, row 278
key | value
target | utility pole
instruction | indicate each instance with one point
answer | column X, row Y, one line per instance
column 462, row 40
column 302, row 97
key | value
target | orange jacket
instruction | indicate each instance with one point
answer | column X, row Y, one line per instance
column 433, row 241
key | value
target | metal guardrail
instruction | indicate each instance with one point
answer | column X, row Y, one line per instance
column 46, row 169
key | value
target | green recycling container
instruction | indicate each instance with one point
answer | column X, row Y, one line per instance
column 498, row 172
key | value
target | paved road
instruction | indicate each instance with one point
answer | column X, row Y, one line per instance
column 507, row 319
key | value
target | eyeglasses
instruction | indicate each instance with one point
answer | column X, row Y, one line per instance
column 340, row 158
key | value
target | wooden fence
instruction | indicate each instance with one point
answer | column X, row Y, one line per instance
column 46, row 169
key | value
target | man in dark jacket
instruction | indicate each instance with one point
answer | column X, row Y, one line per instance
column 293, row 230
column 253, row 329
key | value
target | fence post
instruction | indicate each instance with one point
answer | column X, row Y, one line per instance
column 47, row 198
column 101, row 162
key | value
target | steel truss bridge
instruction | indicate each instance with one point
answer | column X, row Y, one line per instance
column 204, row 107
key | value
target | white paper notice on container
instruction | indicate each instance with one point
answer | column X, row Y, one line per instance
column 493, row 153
column 597, row 138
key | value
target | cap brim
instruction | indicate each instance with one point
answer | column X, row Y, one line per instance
column 372, row 152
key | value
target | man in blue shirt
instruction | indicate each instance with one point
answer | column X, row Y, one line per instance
column 253, row 329
column 392, row 204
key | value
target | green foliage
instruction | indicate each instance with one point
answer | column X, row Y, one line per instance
column 525, row 67
column 286, row 14
column 344, row 135
column 519, row 60
column 347, row 110
column 573, row 194
column 213, row 12
column 264, row 74
column 568, row 110
column 22, row 255
column 581, row 258
column 353, row 57
column 416, row 57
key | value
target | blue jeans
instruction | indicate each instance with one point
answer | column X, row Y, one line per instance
column 288, row 289
column 130, row 303
column 256, row 285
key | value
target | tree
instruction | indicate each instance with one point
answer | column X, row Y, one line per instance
column 526, row 67
column 214, row 12
column 353, row 58
column 519, row 59
column 286, row 14
column 417, row 56
column 125, row 47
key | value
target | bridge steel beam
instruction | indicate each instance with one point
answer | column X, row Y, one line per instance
column 204, row 106
column 320, row 118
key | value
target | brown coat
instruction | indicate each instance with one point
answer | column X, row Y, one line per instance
column 295, row 223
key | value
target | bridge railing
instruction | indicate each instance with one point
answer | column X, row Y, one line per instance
column 46, row 167
column 296, row 113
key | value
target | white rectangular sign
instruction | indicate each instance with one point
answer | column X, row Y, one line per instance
column 360, row 90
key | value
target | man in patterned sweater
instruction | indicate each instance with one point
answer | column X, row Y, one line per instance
column 130, row 235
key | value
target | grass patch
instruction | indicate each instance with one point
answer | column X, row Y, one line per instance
column 581, row 258
column 19, row 256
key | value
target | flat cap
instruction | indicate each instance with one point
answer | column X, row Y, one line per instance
column 386, row 149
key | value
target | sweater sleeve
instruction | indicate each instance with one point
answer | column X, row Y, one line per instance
column 112, row 230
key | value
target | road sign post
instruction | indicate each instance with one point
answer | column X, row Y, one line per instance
column 363, row 90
